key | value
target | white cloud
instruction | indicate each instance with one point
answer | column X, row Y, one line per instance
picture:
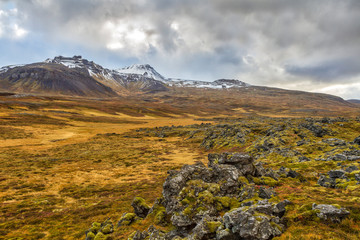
column 9, row 26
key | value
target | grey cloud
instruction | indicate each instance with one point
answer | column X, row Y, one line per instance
column 328, row 71
column 309, row 39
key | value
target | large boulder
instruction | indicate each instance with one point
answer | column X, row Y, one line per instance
column 336, row 173
column 330, row 212
column 246, row 223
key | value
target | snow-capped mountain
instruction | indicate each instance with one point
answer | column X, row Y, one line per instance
column 75, row 75
column 139, row 72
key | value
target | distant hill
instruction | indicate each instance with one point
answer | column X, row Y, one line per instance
column 354, row 100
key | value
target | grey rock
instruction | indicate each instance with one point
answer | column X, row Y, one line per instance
column 353, row 158
column 246, row 226
column 225, row 234
column 357, row 177
column 330, row 212
column 357, row 140
column 336, row 173
column 180, row 220
column 140, row 207
column 265, row 193
column 334, row 142
column 279, row 209
column 326, row 182
column 351, row 169
column 292, row 174
column 303, row 159
column 339, row 157
column 229, row 158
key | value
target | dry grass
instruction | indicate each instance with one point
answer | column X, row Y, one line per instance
column 65, row 163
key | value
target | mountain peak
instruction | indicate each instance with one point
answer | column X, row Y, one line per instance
column 141, row 69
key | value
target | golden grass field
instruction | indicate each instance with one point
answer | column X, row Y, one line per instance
column 67, row 162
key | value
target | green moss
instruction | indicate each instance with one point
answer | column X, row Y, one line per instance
column 346, row 185
column 305, row 207
column 275, row 225
column 107, row 229
column 307, row 216
column 266, row 181
column 90, row 236
column 243, row 179
column 160, row 217
column 131, row 236
column 227, row 202
column 212, row 226
column 206, row 197
column 127, row 219
column 101, row 236
column 95, row 227
column 140, row 202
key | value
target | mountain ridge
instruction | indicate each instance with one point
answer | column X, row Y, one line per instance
column 75, row 76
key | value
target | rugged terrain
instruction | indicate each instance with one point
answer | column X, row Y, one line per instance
column 88, row 152
column 67, row 163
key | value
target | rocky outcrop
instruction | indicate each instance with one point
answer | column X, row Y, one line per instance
column 196, row 197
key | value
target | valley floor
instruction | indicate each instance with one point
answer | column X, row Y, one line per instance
column 67, row 163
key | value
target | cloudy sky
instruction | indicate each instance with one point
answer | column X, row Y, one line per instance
column 311, row 45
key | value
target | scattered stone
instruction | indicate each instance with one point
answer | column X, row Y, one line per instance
column 351, row 169
column 357, row 140
column 303, row 159
column 334, row 142
column 292, row 174
column 353, row 158
column 326, row 182
column 301, row 142
column 338, row 157
column 266, row 193
column 336, row 173
column 279, row 209
column 330, row 212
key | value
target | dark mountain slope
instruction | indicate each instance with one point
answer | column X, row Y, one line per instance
column 50, row 78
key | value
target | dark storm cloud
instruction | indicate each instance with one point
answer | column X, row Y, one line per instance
column 328, row 71
column 262, row 42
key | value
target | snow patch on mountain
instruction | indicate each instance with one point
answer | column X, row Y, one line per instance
column 218, row 84
column 141, row 69
column 7, row 68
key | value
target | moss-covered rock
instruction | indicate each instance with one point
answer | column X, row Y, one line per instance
column 127, row 219
column 141, row 209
